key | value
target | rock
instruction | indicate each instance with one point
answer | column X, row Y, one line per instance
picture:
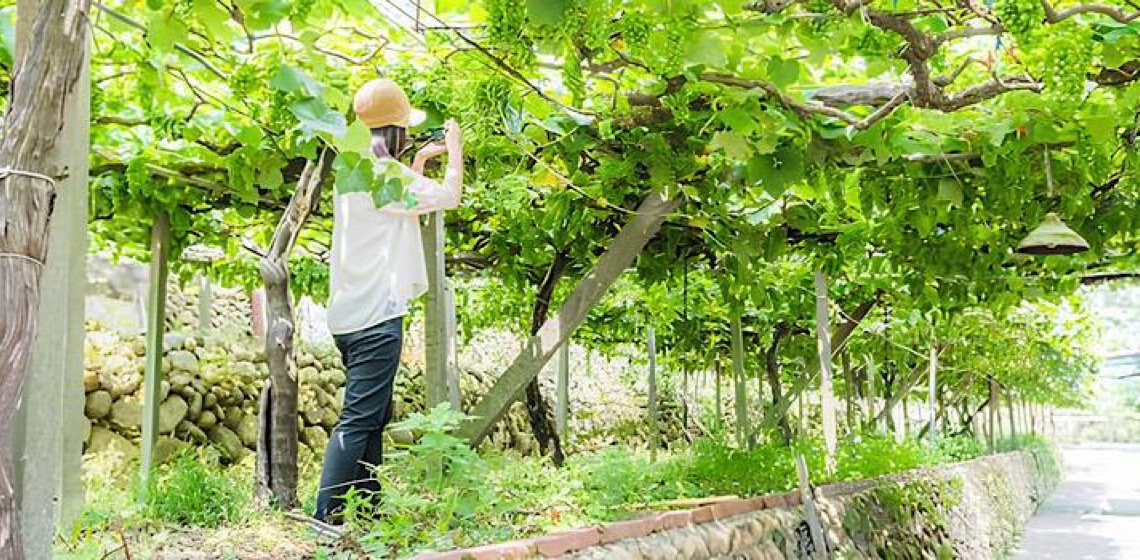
column 115, row 446
column 90, row 380
column 188, row 430
column 98, row 405
column 315, row 437
column 306, row 360
column 127, row 413
column 138, row 346
column 170, row 413
column 181, row 360
column 86, row 430
column 233, row 417
column 173, row 341
column 207, row 420
column 403, row 437
column 123, row 384
column 330, row 419
column 195, row 405
column 336, row 377
column 313, row 416
column 228, row 443
column 191, row 343
column 308, row 375
column 117, row 364
column 163, row 390
column 210, row 400
column 167, row 448
column 248, row 430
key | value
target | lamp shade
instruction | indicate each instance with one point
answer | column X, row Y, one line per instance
column 1052, row 237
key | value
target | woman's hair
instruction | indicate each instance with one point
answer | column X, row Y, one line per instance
column 389, row 141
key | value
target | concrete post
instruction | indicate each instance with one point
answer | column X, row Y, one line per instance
column 562, row 406
column 826, row 393
column 48, row 430
column 435, row 320
column 654, row 437
column 155, row 329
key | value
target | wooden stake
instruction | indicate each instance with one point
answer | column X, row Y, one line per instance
column 155, row 329
column 826, row 393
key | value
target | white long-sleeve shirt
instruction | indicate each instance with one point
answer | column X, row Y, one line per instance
column 378, row 264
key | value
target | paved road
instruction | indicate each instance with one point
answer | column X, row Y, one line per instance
column 1095, row 513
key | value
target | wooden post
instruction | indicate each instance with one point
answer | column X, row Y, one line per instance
column 622, row 250
column 811, row 513
column 741, row 400
column 47, row 429
column 562, row 406
column 826, row 394
column 932, row 397
column 155, row 328
column 205, row 306
column 654, row 437
column 257, row 312
column 435, row 314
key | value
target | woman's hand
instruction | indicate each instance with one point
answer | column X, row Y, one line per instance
column 432, row 150
column 452, row 137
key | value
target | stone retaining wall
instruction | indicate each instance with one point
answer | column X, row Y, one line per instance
column 211, row 384
column 973, row 510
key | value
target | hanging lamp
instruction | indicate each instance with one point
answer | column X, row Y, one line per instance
column 1052, row 237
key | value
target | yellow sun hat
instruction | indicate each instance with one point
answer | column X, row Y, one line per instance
column 382, row 102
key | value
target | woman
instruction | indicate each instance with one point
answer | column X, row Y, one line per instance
column 378, row 268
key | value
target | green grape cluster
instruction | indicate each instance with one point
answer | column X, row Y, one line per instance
column 572, row 75
column 506, row 27
column 585, row 26
column 183, row 9
column 635, row 30
column 1061, row 57
column 301, row 10
column 826, row 15
column 243, row 81
column 280, row 117
column 1020, row 17
column 671, row 62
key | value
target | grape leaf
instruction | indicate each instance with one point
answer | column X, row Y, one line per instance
column 546, row 12
column 315, row 116
column 292, row 80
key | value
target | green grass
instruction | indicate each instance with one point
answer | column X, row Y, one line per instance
column 438, row 494
column 194, row 491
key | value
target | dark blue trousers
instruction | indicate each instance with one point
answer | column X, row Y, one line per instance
column 371, row 357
